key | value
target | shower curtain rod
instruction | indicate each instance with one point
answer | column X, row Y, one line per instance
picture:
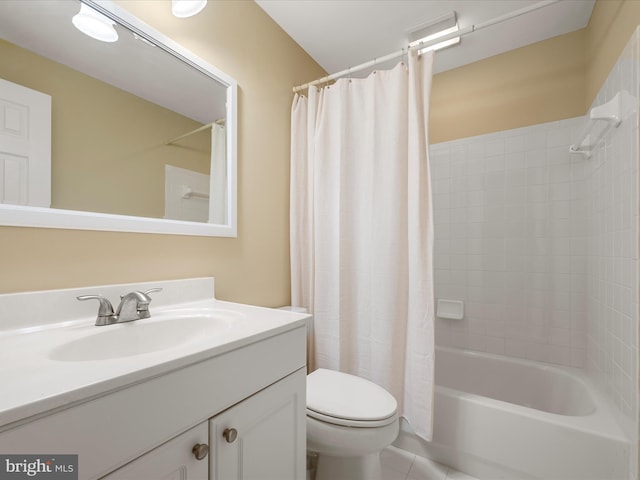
column 220, row 121
column 459, row 33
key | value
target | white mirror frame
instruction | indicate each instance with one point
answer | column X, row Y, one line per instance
column 23, row 216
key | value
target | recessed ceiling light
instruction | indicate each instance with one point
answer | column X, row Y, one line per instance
column 187, row 8
column 94, row 24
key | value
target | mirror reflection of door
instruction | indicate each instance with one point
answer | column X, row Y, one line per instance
column 25, row 146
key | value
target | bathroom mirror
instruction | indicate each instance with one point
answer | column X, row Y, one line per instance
column 142, row 135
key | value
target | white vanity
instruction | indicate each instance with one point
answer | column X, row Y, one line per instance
column 204, row 389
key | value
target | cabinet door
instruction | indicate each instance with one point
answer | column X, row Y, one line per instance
column 264, row 436
column 173, row 460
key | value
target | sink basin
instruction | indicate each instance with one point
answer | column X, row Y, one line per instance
column 141, row 337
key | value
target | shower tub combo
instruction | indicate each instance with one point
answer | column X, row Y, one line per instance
column 500, row 417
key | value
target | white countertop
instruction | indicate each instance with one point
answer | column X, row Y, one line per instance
column 34, row 382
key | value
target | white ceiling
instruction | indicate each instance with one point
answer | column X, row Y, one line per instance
column 341, row 34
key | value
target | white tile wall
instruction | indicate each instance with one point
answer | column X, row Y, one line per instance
column 510, row 226
column 612, row 210
column 542, row 245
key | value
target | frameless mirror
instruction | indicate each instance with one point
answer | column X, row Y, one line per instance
column 137, row 134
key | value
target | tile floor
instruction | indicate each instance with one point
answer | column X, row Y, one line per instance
column 398, row 464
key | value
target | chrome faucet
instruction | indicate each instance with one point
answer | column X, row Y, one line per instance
column 133, row 306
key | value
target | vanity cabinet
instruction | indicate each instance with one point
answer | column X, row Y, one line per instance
column 147, row 428
column 260, row 438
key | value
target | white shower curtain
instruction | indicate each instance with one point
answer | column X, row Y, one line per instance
column 218, row 176
column 362, row 230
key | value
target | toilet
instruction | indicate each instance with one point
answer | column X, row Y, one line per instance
column 350, row 420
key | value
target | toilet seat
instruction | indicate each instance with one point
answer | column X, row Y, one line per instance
column 347, row 400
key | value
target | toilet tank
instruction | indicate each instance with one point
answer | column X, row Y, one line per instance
column 310, row 349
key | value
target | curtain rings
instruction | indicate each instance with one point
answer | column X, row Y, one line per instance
column 325, row 82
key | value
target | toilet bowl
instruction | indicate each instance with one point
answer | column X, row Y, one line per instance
column 350, row 420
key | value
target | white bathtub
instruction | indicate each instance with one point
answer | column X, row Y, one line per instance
column 499, row 417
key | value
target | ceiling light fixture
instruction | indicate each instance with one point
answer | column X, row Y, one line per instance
column 95, row 24
column 439, row 27
column 187, row 8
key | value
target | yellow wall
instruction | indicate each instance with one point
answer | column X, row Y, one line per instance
column 611, row 26
column 530, row 85
column 550, row 80
column 240, row 39
column 543, row 82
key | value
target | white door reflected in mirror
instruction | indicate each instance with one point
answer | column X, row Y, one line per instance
column 25, row 146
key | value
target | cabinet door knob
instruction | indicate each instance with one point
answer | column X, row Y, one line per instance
column 230, row 434
column 200, row 450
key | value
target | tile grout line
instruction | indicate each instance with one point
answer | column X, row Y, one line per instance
column 413, row 460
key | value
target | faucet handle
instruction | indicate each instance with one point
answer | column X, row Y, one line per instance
column 145, row 293
column 143, row 307
column 105, row 310
column 152, row 290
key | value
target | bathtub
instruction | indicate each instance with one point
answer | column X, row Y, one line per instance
column 498, row 417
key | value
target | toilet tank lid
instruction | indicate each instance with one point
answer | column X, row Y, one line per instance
column 346, row 396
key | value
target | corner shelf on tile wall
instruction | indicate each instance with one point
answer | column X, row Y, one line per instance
column 610, row 113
